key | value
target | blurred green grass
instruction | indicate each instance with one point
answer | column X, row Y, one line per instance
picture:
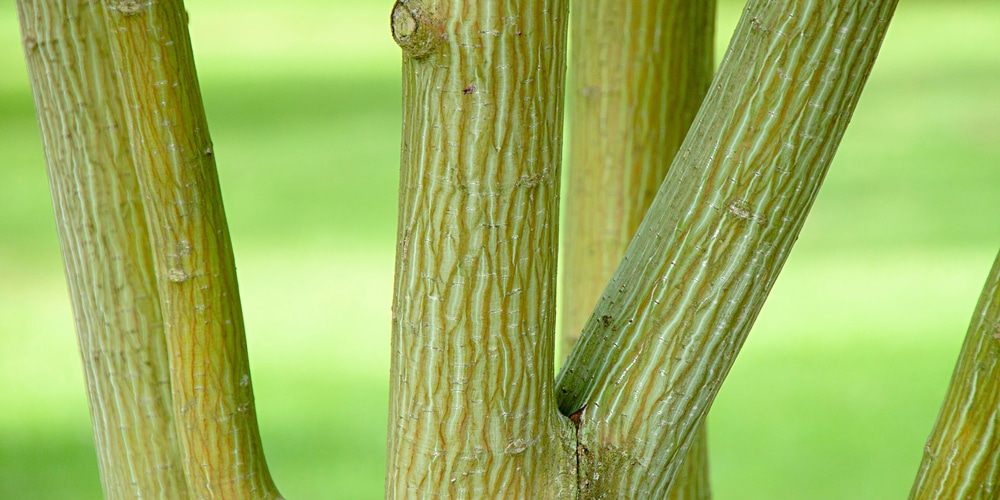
column 832, row 397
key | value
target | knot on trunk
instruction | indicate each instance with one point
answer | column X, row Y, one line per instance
column 416, row 29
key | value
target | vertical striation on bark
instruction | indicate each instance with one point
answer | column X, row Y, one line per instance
column 106, row 248
column 638, row 73
column 472, row 408
column 191, row 251
column 669, row 324
column 962, row 456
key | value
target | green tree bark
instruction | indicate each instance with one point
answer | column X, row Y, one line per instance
column 669, row 324
column 106, row 248
column 123, row 71
column 638, row 74
column 962, row 456
column 472, row 412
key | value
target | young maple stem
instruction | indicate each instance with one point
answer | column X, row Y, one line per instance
column 147, row 249
column 106, row 248
column 472, row 412
column 638, row 73
column 962, row 456
column 669, row 324
column 196, row 276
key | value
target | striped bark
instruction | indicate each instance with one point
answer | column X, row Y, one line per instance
column 638, row 74
column 962, row 456
column 669, row 324
column 472, row 412
column 116, row 89
column 192, row 253
column 106, row 248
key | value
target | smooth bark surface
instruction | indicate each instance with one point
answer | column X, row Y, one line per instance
column 962, row 456
column 472, row 412
column 670, row 323
column 106, row 248
column 638, row 74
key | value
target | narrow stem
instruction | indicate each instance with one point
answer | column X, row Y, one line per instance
column 106, row 248
column 669, row 324
column 962, row 456
column 196, row 276
column 472, row 411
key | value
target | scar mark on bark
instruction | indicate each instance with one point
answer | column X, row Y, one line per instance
column 531, row 181
column 743, row 211
column 177, row 275
column 129, row 7
column 416, row 28
column 605, row 321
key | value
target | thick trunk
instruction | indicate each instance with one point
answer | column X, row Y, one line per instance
column 472, row 412
column 638, row 74
column 962, row 456
column 137, row 156
column 669, row 325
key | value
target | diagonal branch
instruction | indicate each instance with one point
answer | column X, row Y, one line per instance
column 106, row 248
column 671, row 321
column 192, row 255
column 638, row 73
column 962, row 456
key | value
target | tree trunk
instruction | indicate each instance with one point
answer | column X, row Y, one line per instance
column 472, row 412
column 106, row 248
column 136, row 156
column 638, row 74
column 962, row 456
column 669, row 324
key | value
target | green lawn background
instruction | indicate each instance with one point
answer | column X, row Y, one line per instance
column 832, row 397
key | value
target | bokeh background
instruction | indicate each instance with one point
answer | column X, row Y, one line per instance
column 832, row 397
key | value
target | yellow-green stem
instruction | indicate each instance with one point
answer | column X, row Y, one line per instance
column 196, row 276
column 106, row 248
column 962, row 456
column 638, row 74
column 472, row 412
